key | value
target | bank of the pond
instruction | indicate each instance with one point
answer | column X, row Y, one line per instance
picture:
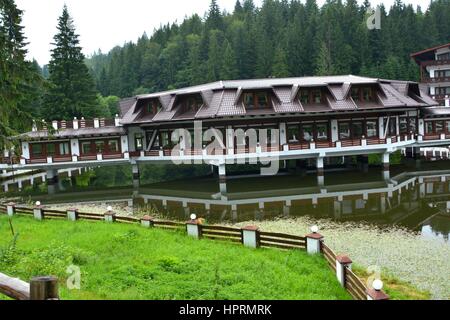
column 401, row 254
column 130, row 262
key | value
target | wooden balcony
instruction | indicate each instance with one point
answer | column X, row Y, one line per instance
column 435, row 63
column 435, row 80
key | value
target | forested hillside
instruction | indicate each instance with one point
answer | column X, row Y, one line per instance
column 281, row 38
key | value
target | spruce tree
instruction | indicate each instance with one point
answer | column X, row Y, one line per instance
column 19, row 80
column 280, row 67
column 72, row 91
column 229, row 70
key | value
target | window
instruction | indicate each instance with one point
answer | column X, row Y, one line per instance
column 322, row 131
column 444, row 56
column 439, row 125
column 36, row 149
column 428, row 127
column 344, row 130
column 447, row 126
column 64, row 148
column 442, row 73
column 317, row 96
column 293, row 133
column 51, row 149
column 258, row 100
column 371, row 128
column 443, row 91
column 86, row 147
column 99, row 146
column 304, row 97
column 403, row 125
column 308, row 134
column 138, row 142
column 412, row 125
column 249, row 101
column 263, row 101
column 113, row 146
column 391, row 127
column 357, row 129
column 165, row 139
column 367, row 94
column 364, row 94
column 355, row 94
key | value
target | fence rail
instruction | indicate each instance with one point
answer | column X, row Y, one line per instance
column 249, row 236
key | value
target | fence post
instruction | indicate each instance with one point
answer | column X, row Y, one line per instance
column 147, row 222
column 44, row 288
column 342, row 262
column 376, row 293
column 110, row 216
column 72, row 214
column 250, row 236
column 313, row 241
column 38, row 213
column 11, row 209
column 193, row 227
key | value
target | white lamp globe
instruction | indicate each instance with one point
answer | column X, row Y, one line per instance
column 377, row 284
column 109, row 208
column 38, row 203
column 314, row 229
column 193, row 216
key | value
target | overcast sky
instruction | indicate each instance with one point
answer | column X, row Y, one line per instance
column 103, row 24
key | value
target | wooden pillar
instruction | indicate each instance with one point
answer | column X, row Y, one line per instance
column 44, row 288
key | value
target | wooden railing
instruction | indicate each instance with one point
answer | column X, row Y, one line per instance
column 354, row 285
column 39, row 288
column 281, row 241
column 329, row 255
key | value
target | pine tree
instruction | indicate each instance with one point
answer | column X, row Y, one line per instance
column 324, row 63
column 19, row 81
column 229, row 69
column 214, row 19
column 280, row 67
column 72, row 90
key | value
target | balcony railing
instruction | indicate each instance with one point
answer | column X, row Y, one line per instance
column 436, row 79
column 435, row 63
column 208, row 151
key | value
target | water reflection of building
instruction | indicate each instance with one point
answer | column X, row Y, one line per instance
column 415, row 200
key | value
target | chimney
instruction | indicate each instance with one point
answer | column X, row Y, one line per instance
column 34, row 126
column 55, row 125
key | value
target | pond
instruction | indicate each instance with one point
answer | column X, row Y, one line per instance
column 418, row 200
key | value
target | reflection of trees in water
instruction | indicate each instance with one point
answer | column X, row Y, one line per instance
column 440, row 225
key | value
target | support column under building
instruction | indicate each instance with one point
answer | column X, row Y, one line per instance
column 363, row 163
column 51, row 178
column 222, row 173
column 386, row 166
column 136, row 175
column 320, row 172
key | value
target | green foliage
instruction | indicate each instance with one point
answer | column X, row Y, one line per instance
column 281, row 38
column 19, row 78
column 72, row 91
column 133, row 263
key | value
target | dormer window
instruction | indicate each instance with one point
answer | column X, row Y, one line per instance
column 311, row 96
column 317, row 96
column 256, row 100
column 304, row 97
column 154, row 107
column 362, row 94
column 193, row 104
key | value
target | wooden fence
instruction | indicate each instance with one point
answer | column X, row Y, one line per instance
column 249, row 236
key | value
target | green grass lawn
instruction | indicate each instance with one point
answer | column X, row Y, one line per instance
column 130, row 262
